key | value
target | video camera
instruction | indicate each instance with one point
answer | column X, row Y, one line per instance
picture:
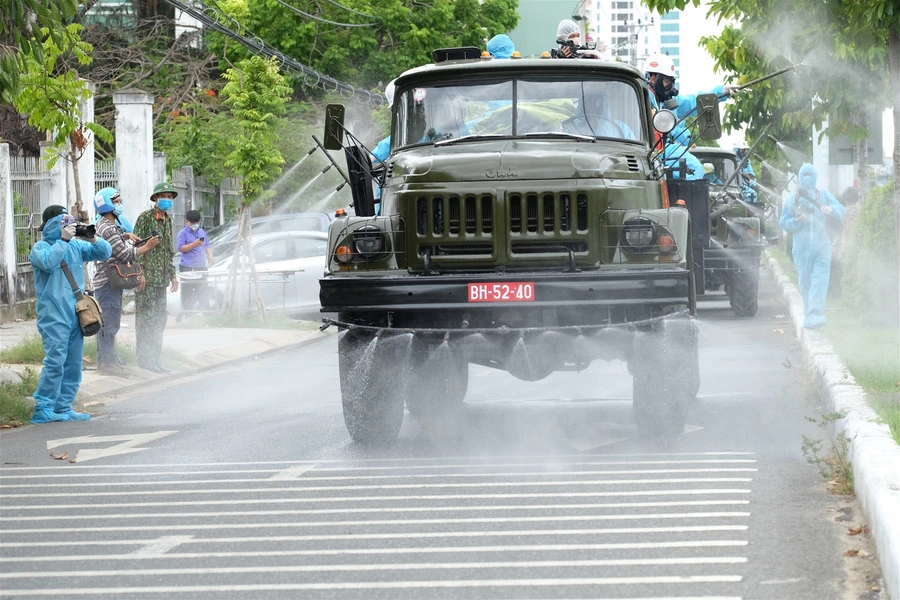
column 573, row 51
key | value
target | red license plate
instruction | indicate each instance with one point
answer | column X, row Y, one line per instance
column 516, row 291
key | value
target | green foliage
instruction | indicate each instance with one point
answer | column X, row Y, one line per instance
column 871, row 282
column 256, row 94
column 21, row 24
column 30, row 351
column 51, row 96
column 404, row 34
column 16, row 405
column 199, row 136
column 835, row 467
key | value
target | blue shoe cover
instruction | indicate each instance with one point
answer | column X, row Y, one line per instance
column 44, row 415
column 813, row 321
column 71, row 415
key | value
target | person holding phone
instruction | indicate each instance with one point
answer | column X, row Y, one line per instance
column 159, row 273
column 125, row 249
column 196, row 255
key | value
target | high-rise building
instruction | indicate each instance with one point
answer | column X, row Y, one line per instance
column 627, row 28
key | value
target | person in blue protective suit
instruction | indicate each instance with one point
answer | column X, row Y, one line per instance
column 809, row 213
column 383, row 148
column 659, row 71
column 57, row 321
column 747, row 177
column 121, row 220
column 500, row 46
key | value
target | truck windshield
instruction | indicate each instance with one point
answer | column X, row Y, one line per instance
column 717, row 170
column 594, row 108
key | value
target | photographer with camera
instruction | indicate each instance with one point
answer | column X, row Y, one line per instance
column 813, row 216
column 126, row 248
column 159, row 273
column 568, row 36
column 58, row 263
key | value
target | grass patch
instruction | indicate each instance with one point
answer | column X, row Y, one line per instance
column 833, row 460
column 125, row 351
column 16, row 404
column 888, row 408
column 30, row 351
column 251, row 321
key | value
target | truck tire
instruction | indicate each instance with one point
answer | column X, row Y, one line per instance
column 439, row 386
column 373, row 385
column 743, row 292
column 666, row 379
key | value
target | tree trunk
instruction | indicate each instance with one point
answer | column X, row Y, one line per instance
column 76, row 209
column 894, row 42
column 232, row 294
column 862, row 159
column 249, row 242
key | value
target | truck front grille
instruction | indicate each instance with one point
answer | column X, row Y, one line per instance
column 548, row 213
column 452, row 216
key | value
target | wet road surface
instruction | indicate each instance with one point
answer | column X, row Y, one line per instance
column 246, row 485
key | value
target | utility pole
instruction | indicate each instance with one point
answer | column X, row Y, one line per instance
column 634, row 31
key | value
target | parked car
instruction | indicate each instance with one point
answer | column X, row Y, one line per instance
column 289, row 265
column 304, row 221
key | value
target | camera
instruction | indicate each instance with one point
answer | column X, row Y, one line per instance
column 85, row 231
column 573, row 50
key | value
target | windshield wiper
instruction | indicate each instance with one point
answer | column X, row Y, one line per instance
column 573, row 136
column 474, row 136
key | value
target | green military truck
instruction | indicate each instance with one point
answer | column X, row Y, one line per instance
column 523, row 225
column 732, row 255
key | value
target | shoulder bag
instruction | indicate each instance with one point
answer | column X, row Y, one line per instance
column 90, row 317
column 124, row 276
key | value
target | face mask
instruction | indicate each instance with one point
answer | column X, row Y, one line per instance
column 117, row 209
column 195, row 227
column 164, row 204
column 808, row 181
column 662, row 92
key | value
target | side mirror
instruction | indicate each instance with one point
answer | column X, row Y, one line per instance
column 334, row 126
column 709, row 123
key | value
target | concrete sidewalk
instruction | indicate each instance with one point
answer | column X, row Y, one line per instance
column 186, row 351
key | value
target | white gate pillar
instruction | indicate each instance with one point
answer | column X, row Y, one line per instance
column 134, row 150
column 7, row 225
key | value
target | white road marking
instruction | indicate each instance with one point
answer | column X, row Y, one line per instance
column 375, row 510
column 72, row 472
column 288, row 474
column 391, row 536
column 399, row 486
column 469, row 566
column 385, row 585
column 325, row 499
column 294, row 473
column 158, row 548
column 377, row 551
column 782, row 581
column 128, row 444
column 546, row 460
column 214, row 526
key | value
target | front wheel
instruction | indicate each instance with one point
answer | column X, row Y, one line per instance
column 374, row 373
column 743, row 292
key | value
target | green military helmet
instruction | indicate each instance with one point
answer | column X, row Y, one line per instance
column 161, row 187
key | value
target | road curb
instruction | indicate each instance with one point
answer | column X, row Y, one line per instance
column 190, row 372
column 874, row 454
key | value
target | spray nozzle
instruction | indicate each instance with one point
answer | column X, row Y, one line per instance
column 772, row 137
column 311, row 150
column 326, row 168
column 340, row 187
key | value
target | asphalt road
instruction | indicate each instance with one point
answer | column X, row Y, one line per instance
column 247, row 486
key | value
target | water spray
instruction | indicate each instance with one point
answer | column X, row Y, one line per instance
column 731, row 198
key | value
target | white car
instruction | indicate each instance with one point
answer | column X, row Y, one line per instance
column 289, row 265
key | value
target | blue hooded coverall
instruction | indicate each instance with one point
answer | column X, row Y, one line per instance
column 57, row 322
column 680, row 138
column 812, row 244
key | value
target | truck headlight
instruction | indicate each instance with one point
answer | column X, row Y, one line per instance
column 369, row 242
column 638, row 234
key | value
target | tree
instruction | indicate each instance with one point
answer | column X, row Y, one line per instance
column 256, row 94
column 23, row 26
column 52, row 100
column 395, row 35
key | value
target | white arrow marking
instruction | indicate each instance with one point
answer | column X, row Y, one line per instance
column 128, row 444
column 161, row 546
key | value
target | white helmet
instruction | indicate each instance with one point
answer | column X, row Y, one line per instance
column 389, row 92
column 660, row 63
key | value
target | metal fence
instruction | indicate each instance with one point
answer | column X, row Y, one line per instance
column 217, row 204
column 105, row 174
column 31, row 193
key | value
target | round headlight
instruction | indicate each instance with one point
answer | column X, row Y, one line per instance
column 369, row 241
column 664, row 121
column 638, row 233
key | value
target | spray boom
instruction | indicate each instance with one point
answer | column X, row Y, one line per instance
column 765, row 78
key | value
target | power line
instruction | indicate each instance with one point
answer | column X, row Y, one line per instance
column 347, row 8
column 215, row 19
column 320, row 19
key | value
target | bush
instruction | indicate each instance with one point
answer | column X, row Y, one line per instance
column 871, row 282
